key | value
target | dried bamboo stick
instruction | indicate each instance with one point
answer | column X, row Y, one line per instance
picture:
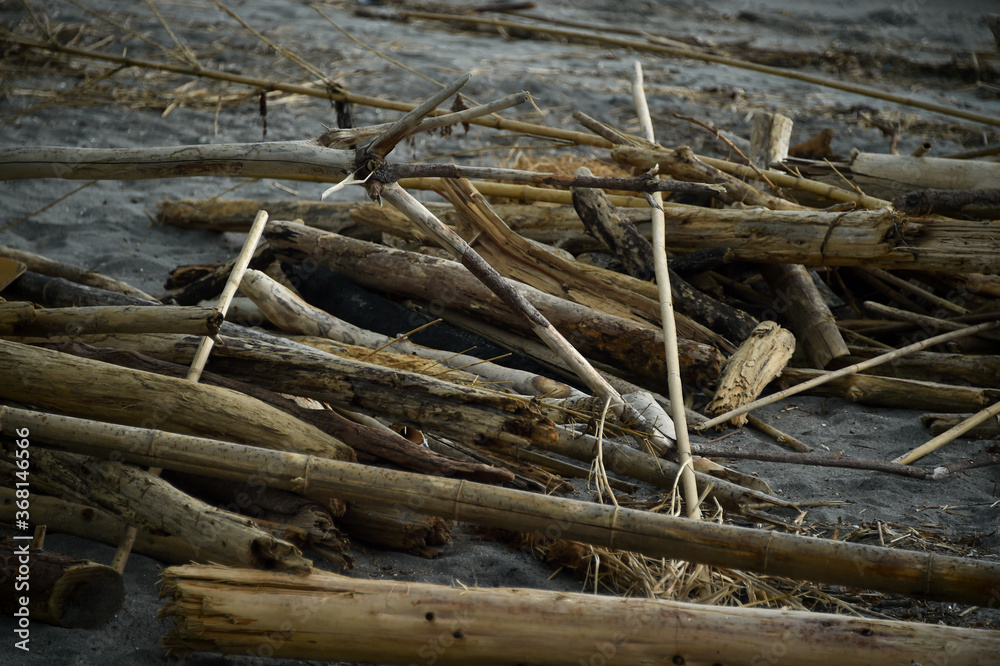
column 843, row 372
column 676, row 389
column 949, row 435
column 513, row 299
column 630, row 346
column 920, row 574
column 324, row 616
column 141, row 498
column 697, row 54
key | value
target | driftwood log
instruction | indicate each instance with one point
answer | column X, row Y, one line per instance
column 635, row 348
column 54, row 381
column 65, row 591
column 145, row 500
column 927, row 575
column 23, row 319
column 760, row 358
column 86, row 522
column 324, row 616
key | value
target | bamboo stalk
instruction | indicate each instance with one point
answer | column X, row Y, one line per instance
column 843, row 372
column 871, row 389
column 142, row 498
column 949, row 435
column 324, row 616
column 920, row 574
column 629, row 345
column 674, row 385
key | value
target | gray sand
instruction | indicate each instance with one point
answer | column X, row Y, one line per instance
column 107, row 226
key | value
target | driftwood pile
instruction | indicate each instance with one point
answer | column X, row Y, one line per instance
column 147, row 416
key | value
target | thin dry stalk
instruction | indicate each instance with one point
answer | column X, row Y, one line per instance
column 667, row 315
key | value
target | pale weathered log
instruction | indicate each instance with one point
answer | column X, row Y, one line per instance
column 760, row 358
column 769, row 139
column 819, row 377
column 109, row 319
column 808, row 314
column 406, row 397
column 617, row 294
column 86, row 522
column 929, row 575
column 889, row 176
column 278, row 159
column 634, row 348
column 325, row 616
column 73, row 385
column 56, row 588
column 900, row 393
column 144, row 500
column 39, row 264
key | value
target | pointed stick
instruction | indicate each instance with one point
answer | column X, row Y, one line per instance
column 857, row 367
column 676, row 390
column 200, row 358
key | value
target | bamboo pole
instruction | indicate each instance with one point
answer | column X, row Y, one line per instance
column 144, row 499
column 674, row 385
column 920, row 574
column 949, row 435
column 843, row 372
column 325, row 616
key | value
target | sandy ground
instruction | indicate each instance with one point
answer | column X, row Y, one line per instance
column 107, row 226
